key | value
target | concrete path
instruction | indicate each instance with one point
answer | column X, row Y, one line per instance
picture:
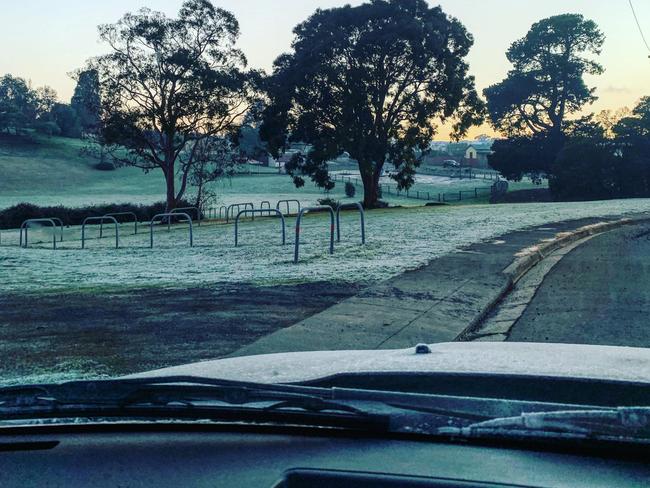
column 599, row 293
column 436, row 303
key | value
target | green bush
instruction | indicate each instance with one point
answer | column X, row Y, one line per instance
column 350, row 189
column 592, row 170
column 328, row 201
column 49, row 128
column 13, row 217
column 105, row 166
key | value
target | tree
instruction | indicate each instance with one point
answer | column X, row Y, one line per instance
column 635, row 127
column 215, row 159
column 633, row 136
column 46, row 99
column 608, row 119
column 86, row 101
column 167, row 85
column 604, row 158
column 249, row 143
column 546, row 82
column 370, row 80
column 587, row 169
column 67, row 120
column 518, row 155
column 18, row 104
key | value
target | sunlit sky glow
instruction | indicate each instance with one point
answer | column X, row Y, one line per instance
column 43, row 40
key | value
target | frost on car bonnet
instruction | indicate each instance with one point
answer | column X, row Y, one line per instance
column 552, row 360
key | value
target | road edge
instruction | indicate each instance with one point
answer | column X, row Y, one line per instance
column 531, row 256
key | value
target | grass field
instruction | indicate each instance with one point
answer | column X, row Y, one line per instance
column 51, row 171
column 398, row 240
column 75, row 313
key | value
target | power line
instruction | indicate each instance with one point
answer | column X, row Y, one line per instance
column 638, row 24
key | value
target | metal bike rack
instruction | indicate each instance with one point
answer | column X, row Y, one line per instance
column 187, row 209
column 118, row 214
column 359, row 207
column 266, row 205
column 287, row 202
column 223, row 207
column 238, row 205
column 259, row 211
column 60, row 223
column 101, row 220
column 169, row 217
column 299, row 219
column 25, row 225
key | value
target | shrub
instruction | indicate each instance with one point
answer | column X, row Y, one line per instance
column 350, row 189
column 328, row 201
column 105, row 166
column 587, row 170
column 49, row 128
column 13, row 217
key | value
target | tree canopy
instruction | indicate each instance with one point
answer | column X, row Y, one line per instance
column 86, row 100
column 371, row 81
column 18, row 104
column 23, row 108
column 636, row 126
column 168, row 84
column 546, row 82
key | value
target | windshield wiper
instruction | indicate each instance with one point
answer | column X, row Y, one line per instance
column 183, row 397
column 632, row 423
column 213, row 399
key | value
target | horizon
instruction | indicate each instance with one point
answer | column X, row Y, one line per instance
column 66, row 36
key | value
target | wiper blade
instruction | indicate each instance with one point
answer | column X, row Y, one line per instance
column 188, row 395
column 183, row 397
column 633, row 422
column 163, row 391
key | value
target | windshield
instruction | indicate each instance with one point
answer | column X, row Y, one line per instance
column 385, row 195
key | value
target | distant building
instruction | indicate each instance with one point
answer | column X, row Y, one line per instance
column 471, row 153
column 477, row 154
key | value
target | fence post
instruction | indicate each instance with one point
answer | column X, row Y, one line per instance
column 460, row 195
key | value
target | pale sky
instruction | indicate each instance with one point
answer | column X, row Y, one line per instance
column 43, row 40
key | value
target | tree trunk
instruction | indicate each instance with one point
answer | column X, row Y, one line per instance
column 171, row 194
column 370, row 180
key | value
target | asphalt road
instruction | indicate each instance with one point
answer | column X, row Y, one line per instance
column 599, row 293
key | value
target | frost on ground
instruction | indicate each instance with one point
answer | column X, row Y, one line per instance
column 398, row 240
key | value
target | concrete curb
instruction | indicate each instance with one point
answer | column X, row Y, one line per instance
column 531, row 256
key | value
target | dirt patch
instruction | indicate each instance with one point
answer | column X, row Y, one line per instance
column 113, row 332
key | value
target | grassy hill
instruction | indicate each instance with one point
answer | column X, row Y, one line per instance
column 51, row 170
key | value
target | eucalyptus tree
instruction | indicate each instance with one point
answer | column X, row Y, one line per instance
column 373, row 81
column 169, row 84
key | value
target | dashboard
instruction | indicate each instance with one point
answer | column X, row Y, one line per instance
column 218, row 456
